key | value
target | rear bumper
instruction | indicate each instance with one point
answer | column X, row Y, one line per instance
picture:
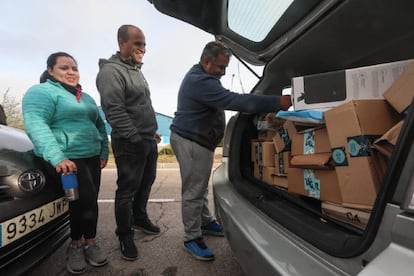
column 260, row 245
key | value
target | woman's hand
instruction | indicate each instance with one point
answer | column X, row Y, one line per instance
column 66, row 166
column 103, row 163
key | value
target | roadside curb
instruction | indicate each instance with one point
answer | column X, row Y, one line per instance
column 160, row 165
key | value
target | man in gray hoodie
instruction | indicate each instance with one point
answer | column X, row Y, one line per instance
column 125, row 99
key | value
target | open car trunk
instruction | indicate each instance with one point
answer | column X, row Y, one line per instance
column 331, row 36
column 302, row 215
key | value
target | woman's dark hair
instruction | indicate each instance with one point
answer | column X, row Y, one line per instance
column 51, row 62
column 44, row 76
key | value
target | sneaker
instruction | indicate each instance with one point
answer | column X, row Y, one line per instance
column 213, row 229
column 146, row 226
column 129, row 251
column 94, row 255
column 76, row 263
column 199, row 250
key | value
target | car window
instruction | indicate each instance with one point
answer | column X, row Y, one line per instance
column 254, row 19
column 262, row 22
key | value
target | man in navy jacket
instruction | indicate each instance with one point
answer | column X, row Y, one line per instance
column 197, row 129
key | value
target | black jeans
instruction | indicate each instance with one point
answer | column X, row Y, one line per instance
column 84, row 211
column 136, row 165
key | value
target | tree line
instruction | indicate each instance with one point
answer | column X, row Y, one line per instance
column 12, row 110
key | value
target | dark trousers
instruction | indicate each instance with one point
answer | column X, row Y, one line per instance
column 83, row 211
column 136, row 165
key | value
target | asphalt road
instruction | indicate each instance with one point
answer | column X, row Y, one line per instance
column 162, row 254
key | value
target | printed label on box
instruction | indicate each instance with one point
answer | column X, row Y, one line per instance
column 281, row 162
column 308, row 143
column 339, row 157
column 283, row 134
column 359, row 146
column 312, row 185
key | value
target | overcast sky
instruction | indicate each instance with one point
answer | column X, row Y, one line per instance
column 86, row 29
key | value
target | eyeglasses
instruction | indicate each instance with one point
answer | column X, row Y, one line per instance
column 140, row 43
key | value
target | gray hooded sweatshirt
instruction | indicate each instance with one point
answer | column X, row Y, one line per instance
column 125, row 99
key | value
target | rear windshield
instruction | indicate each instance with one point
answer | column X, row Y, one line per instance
column 259, row 20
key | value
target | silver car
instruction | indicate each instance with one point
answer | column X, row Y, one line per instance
column 272, row 231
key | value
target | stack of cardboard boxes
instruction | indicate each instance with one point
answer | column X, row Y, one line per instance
column 342, row 163
column 271, row 162
column 263, row 157
column 312, row 172
column 282, row 141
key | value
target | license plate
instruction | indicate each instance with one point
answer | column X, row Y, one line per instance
column 17, row 227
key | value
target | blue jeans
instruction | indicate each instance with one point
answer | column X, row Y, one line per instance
column 136, row 165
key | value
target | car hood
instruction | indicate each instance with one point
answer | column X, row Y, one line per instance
column 329, row 35
column 13, row 139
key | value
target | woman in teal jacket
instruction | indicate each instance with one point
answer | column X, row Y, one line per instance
column 69, row 136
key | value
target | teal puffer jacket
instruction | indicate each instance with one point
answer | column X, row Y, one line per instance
column 60, row 127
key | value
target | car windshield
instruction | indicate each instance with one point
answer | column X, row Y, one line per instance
column 254, row 19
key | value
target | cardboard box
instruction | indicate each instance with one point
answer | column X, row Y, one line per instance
column 357, row 217
column 282, row 162
column 266, row 135
column 280, row 180
column 311, row 171
column 310, row 142
column 319, row 184
column 383, row 147
column 263, row 153
column 352, row 128
column 254, row 151
column 270, row 176
column 267, row 126
column 385, row 144
column 282, row 138
column 257, row 171
column 264, row 174
column 401, row 92
column 267, row 174
column 327, row 90
column 319, row 161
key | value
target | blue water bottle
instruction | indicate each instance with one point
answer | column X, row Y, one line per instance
column 70, row 186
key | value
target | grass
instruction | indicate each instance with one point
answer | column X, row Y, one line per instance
column 164, row 158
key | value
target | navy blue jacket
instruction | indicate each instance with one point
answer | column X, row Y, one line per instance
column 201, row 104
